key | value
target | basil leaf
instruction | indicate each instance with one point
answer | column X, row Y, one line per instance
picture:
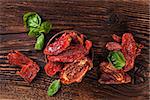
column 34, row 32
column 53, row 88
column 32, row 19
column 117, row 59
column 40, row 42
column 45, row 27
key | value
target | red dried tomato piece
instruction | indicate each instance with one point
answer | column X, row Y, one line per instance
column 76, row 39
column 29, row 68
column 58, row 46
column 17, row 58
column 114, row 78
column 116, row 38
column 71, row 54
column 29, row 71
column 113, row 46
column 74, row 72
column 88, row 45
column 52, row 68
column 106, row 67
column 129, row 49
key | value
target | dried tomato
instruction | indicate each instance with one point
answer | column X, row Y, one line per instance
column 116, row 38
column 114, row 78
column 52, row 68
column 76, row 39
column 106, row 67
column 70, row 55
column 73, row 56
column 29, row 68
column 74, row 72
column 113, row 46
column 88, row 45
column 58, row 46
column 129, row 49
column 29, row 71
column 17, row 58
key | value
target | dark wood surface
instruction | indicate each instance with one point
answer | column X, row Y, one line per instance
column 94, row 18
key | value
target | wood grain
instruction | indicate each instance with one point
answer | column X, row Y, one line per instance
column 96, row 19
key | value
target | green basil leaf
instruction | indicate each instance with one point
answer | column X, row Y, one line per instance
column 40, row 42
column 53, row 88
column 45, row 27
column 117, row 59
column 34, row 32
column 32, row 19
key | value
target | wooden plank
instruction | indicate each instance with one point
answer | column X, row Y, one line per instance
column 96, row 19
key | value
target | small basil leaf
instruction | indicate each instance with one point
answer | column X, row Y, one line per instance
column 34, row 32
column 45, row 27
column 32, row 19
column 117, row 59
column 53, row 88
column 40, row 42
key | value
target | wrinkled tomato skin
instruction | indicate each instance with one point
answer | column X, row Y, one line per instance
column 70, row 55
column 58, row 46
column 52, row 68
column 113, row 46
column 74, row 72
column 17, row 58
column 128, row 45
column 29, row 71
column 129, row 49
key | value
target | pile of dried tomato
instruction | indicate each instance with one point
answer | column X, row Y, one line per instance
column 120, row 59
column 69, row 55
column 29, row 69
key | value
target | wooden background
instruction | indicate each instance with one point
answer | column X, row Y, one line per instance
column 98, row 19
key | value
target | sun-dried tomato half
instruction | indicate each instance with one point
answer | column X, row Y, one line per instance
column 114, row 78
column 58, row 46
column 17, row 58
column 129, row 49
column 74, row 72
column 113, row 46
column 128, row 45
column 29, row 69
column 106, row 67
column 71, row 54
column 52, row 68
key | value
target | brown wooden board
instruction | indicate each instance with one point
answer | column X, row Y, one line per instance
column 98, row 19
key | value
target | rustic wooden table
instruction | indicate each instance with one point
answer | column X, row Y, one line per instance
column 94, row 18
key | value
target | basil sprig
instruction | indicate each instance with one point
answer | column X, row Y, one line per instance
column 37, row 28
column 53, row 88
column 117, row 59
column 39, row 43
